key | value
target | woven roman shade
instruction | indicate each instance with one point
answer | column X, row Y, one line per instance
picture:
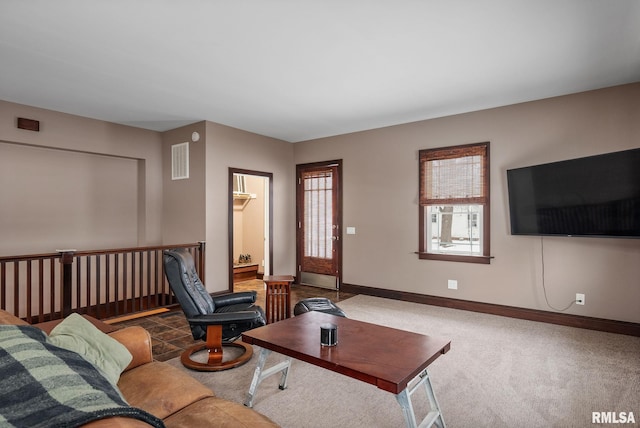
column 454, row 175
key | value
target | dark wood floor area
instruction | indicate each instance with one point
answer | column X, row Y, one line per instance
column 170, row 332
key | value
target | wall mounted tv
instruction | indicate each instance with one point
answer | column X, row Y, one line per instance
column 596, row 196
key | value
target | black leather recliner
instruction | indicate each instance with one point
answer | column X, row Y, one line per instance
column 218, row 320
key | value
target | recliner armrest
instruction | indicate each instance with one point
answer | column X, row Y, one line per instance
column 234, row 298
column 225, row 317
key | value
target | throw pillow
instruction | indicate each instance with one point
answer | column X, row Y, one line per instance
column 77, row 334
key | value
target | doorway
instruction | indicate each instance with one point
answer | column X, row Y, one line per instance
column 319, row 215
column 250, row 214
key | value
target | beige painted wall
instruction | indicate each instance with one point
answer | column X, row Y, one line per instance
column 380, row 196
column 233, row 148
column 75, row 200
column 380, row 179
column 167, row 211
column 184, row 208
column 107, row 167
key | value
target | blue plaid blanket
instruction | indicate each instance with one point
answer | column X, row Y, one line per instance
column 42, row 385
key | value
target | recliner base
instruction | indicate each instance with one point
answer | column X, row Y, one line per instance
column 210, row 366
column 214, row 344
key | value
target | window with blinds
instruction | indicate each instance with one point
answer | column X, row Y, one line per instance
column 454, row 203
column 318, row 188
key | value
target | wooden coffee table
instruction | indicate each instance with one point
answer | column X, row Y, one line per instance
column 388, row 358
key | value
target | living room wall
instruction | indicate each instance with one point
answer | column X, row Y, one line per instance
column 184, row 208
column 77, row 183
column 119, row 160
column 197, row 208
column 380, row 197
column 234, row 148
column 380, row 179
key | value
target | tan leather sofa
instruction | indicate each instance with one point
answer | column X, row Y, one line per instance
column 163, row 390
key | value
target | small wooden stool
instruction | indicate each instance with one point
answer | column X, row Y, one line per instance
column 278, row 297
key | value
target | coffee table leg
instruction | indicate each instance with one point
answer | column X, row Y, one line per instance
column 260, row 374
column 404, row 399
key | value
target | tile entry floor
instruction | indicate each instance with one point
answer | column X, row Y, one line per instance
column 170, row 331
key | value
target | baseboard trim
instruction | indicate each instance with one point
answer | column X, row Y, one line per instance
column 599, row 324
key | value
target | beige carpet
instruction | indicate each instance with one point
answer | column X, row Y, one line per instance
column 500, row 372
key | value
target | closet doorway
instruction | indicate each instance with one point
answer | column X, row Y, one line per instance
column 250, row 224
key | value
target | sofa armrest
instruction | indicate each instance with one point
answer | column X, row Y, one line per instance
column 7, row 318
column 47, row 326
column 138, row 341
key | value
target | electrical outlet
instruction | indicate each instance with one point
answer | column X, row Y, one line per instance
column 452, row 284
column 579, row 299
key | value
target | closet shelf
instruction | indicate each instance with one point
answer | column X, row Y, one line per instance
column 240, row 200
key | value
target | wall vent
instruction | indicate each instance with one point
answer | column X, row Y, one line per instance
column 29, row 124
column 180, row 161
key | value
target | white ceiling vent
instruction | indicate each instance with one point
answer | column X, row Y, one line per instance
column 180, row 161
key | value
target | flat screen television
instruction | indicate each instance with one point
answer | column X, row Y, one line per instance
column 595, row 196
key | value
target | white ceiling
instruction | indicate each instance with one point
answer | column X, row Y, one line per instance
column 302, row 69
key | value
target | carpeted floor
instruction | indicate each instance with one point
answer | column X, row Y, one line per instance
column 500, row 372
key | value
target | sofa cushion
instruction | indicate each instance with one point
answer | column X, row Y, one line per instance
column 160, row 388
column 77, row 334
column 214, row 412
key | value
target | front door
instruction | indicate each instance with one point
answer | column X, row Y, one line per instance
column 319, row 214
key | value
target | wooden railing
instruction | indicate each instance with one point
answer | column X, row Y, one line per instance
column 100, row 283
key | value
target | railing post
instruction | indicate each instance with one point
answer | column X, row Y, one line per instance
column 201, row 261
column 67, row 272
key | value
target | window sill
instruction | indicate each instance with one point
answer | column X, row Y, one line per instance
column 455, row 258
